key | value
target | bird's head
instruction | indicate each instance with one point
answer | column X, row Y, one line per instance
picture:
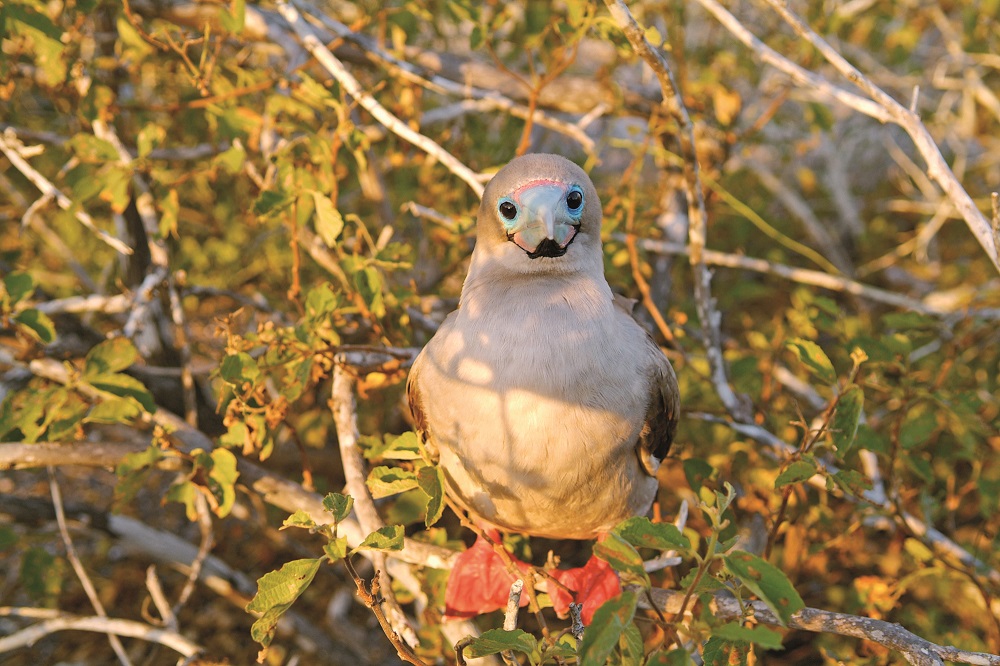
column 540, row 213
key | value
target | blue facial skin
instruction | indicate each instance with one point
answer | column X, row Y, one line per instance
column 543, row 217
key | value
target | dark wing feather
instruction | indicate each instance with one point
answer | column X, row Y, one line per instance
column 658, row 431
column 413, row 397
column 664, row 407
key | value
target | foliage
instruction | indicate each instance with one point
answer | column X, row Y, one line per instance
column 274, row 224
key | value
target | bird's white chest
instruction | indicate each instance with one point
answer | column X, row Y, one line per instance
column 537, row 404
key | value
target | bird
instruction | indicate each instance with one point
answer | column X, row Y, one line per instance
column 547, row 406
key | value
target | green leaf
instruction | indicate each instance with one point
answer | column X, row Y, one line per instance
column 300, row 518
column 844, row 425
column 720, row 652
column 329, row 222
column 766, row 581
column 623, row 558
column 385, row 481
column 239, row 369
column 642, row 533
column 42, row 575
column 815, row 360
column 37, row 323
column 338, row 505
column 184, row 492
column 231, row 160
column 336, row 549
column 222, row 480
column 19, row 286
column 678, row 657
column 607, row 626
column 276, row 591
column 431, row 480
column 170, row 208
column 389, row 537
column 124, row 386
column 271, row 202
column 89, row 148
column 734, row 632
column 630, row 646
column 112, row 355
column 150, row 136
column 495, row 641
column 798, row 471
column 114, row 410
column 697, row 472
column 393, row 447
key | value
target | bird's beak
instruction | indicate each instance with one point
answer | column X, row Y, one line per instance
column 545, row 226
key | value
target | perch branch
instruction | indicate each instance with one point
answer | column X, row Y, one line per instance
column 64, row 622
column 333, row 65
column 344, row 410
column 915, row 649
column 673, row 105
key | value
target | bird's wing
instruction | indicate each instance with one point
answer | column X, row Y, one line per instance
column 658, row 430
column 664, row 408
column 415, row 400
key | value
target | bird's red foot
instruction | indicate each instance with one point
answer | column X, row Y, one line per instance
column 592, row 585
column 479, row 582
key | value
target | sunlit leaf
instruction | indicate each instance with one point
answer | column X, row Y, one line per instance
column 815, row 360
column 385, row 481
column 276, row 591
column 389, row 537
column 607, row 626
column 340, row 506
column 642, row 533
column 720, row 652
column 735, row 632
column 623, row 558
column 495, row 641
column 37, row 323
column 112, row 355
column 796, row 472
column 430, row 479
column 766, row 581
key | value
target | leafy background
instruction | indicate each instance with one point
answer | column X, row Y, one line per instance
column 273, row 222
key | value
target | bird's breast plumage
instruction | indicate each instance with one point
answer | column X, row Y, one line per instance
column 539, row 393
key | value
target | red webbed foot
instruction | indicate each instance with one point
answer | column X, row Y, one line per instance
column 479, row 582
column 591, row 585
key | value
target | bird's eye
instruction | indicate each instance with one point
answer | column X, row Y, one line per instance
column 508, row 210
column 574, row 200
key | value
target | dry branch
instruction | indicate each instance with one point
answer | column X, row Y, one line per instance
column 915, row 649
column 66, row 622
column 333, row 65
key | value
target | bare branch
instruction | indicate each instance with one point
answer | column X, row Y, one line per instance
column 115, row 627
column 333, row 65
column 818, row 279
column 9, row 146
column 915, row 649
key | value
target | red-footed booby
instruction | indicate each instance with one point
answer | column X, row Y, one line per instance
column 548, row 405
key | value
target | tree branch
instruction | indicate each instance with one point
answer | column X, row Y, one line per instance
column 105, row 625
column 333, row 65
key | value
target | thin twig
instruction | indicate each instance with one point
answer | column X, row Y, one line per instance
column 204, row 548
column 510, row 616
column 77, row 565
